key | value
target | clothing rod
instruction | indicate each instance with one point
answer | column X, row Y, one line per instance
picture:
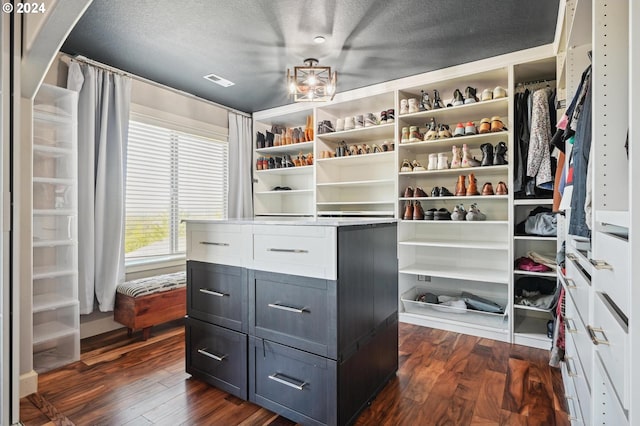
column 79, row 58
column 531, row 83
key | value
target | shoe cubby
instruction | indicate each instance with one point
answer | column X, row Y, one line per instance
column 56, row 351
column 52, row 292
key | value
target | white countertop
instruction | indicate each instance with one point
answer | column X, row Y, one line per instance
column 302, row 221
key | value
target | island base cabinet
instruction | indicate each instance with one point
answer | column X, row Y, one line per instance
column 217, row 355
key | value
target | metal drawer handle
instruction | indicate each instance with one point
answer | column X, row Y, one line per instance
column 572, row 256
column 597, row 341
column 212, row 243
column 572, row 408
column 212, row 292
column 571, row 371
column 571, row 284
column 601, row 264
column 287, row 381
column 278, row 305
column 210, row 355
column 571, row 326
column 288, row 250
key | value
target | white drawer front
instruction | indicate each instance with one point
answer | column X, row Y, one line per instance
column 577, row 340
column 217, row 243
column 609, row 411
column 611, row 272
column 613, row 338
column 578, row 286
column 573, row 405
column 298, row 250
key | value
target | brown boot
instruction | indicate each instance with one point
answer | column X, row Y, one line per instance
column 418, row 213
column 473, row 187
column 487, row 189
column 461, row 189
column 501, row 189
column 408, row 211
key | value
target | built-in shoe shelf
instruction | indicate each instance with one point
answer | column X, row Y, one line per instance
column 470, row 273
column 458, row 171
column 362, row 134
column 463, row 113
column 445, row 144
column 290, row 149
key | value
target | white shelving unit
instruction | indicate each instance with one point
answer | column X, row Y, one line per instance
column 56, row 336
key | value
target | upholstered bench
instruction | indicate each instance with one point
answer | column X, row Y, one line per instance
column 145, row 302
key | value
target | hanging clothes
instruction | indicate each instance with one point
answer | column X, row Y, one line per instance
column 539, row 156
column 521, row 145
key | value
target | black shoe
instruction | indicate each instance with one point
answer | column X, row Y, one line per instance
column 499, row 154
column 437, row 102
column 260, row 140
column 272, row 162
column 442, row 214
column 444, row 192
column 487, row 154
column 429, row 214
column 268, row 140
column 287, row 161
column 435, row 192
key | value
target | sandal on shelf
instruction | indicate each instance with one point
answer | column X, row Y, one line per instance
column 485, row 126
column 406, row 166
column 497, row 125
column 353, row 150
column 417, row 167
column 376, row 148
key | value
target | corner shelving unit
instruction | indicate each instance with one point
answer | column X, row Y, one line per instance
column 56, row 336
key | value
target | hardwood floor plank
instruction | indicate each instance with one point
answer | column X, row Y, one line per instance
column 443, row 379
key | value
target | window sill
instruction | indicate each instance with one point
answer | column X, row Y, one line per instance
column 142, row 265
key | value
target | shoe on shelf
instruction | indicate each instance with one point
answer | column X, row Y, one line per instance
column 414, row 134
column 459, row 213
column 404, row 106
column 435, row 192
column 487, row 154
column 353, row 150
column 466, row 156
column 433, row 162
column 472, row 189
column 501, row 188
column 485, row 126
column 459, row 131
column 260, row 140
column 408, row 192
column 437, row 102
column 487, row 189
column 406, row 166
column 444, row 192
column 413, row 105
column 408, row 211
column 390, row 115
column 430, row 214
column 499, row 92
column 432, row 130
column 339, row 124
column 443, row 161
column 487, row 95
column 418, row 212
column 458, row 99
column 425, row 103
column 376, row 148
column 470, row 129
column 417, row 167
column 456, row 160
column 499, row 154
column 442, row 214
column 444, row 132
column 474, row 213
column 470, row 95
column 405, row 135
column 419, row 193
column 461, row 189
column 496, row 124
column 370, row 120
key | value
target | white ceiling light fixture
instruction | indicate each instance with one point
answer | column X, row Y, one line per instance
column 319, row 39
column 218, row 80
column 312, row 83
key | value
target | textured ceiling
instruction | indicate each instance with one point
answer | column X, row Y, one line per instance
column 253, row 42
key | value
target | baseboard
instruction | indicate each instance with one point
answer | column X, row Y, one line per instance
column 28, row 383
column 98, row 326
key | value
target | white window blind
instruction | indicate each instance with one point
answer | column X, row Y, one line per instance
column 171, row 176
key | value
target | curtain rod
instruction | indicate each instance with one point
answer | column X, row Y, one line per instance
column 79, row 58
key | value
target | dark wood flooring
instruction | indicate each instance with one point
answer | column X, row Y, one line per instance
column 444, row 379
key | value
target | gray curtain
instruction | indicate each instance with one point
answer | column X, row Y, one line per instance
column 103, row 124
column 240, row 184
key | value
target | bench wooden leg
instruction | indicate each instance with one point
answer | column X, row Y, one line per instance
column 146, row 332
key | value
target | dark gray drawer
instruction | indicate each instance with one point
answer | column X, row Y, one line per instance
column 218, row 356
column 299, row 385
column 218, row 294
column 295, row 311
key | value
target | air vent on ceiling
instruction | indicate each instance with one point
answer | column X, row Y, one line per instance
column 219, row 80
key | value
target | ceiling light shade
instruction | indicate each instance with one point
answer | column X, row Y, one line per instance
column 312, row 83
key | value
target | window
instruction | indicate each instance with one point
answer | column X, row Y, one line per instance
column 171, row 176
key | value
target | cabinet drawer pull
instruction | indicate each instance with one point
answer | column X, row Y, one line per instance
column 571, row 326
column 212, row 292
column 277, row 305
column 571, row 284
column 572, row 408
column 572, row 257
column 210, row 355
column 597, row 341
column 212, row 243
column 571, row 371
column 601, row 265
column 288, row 381
column 279, row 250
